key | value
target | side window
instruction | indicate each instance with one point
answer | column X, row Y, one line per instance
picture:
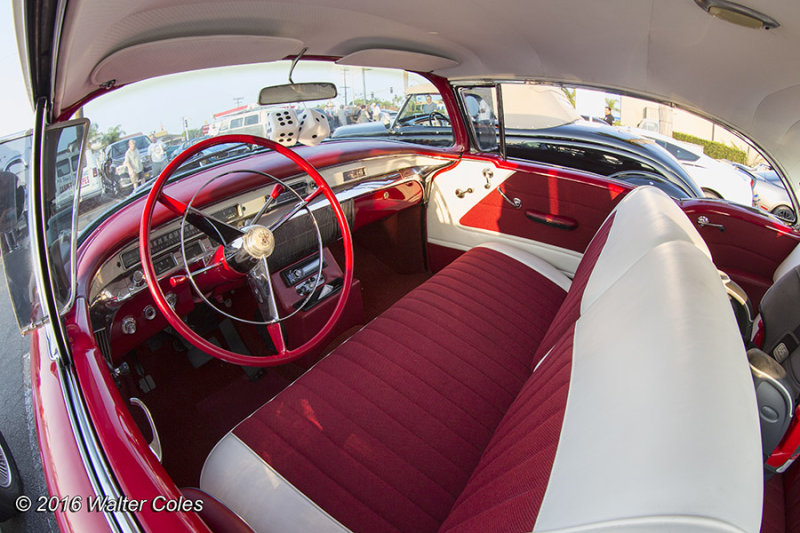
column 480, row 104
column 249, row 120
column 15, row 158
column 236, row 123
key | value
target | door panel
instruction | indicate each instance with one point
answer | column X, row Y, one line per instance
column 560, row 210
column 751, row 246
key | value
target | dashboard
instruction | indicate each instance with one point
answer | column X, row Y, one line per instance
column 122, row 310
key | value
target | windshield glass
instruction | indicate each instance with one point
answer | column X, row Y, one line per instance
column 138, row 129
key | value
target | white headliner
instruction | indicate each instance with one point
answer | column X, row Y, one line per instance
column 667, row 49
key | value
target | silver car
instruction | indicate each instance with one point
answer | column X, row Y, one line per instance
column 769, row 193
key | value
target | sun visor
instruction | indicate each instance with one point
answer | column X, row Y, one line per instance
column 181, row 54
column 385, row 58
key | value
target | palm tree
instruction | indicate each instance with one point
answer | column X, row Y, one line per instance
column 570, row 94
column 112, row 134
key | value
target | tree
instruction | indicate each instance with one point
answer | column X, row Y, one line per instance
column 112, row 135
column 570, row 94
column 611, row 103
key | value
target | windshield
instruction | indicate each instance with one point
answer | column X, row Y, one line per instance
column 138, row 129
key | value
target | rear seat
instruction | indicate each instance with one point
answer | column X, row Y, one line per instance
column 501, row 396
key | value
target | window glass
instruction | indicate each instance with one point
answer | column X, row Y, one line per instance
column 15, row 169
column 480, row 104
column 183, row 108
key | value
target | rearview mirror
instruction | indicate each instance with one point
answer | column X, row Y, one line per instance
column 296, row 92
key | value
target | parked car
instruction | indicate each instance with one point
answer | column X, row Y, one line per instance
column 416, row 333
column 769, row 193
column 91, row 178
column 556, row 134
column 717, row 178
column 116, row 181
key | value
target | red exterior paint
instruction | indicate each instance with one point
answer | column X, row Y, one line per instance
column 582, row 202
column 284, row 355
column 61, row 461
column 137, row 470
column 751, row 247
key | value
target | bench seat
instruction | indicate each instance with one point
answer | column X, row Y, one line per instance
column 500, row 395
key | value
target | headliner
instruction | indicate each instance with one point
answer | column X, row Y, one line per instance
column 668, row 50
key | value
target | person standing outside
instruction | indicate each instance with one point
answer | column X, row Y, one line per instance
column 157, row 154
column 429, row 107
column 608, row 116
column 133, row 163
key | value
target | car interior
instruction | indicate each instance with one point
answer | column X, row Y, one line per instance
column 460, row 364
column 440, row 332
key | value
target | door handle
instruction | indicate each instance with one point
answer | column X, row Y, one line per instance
column 555, row 221
column 703, row 222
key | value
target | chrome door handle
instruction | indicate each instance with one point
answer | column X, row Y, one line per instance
column 703, row 222
column 461, row 192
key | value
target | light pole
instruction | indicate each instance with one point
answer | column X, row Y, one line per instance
column 345, row 87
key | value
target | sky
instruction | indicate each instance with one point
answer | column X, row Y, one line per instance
column 17, row 113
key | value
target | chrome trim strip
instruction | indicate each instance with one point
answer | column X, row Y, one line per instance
column 58, row 26
column 91, row 453
column 73, row 240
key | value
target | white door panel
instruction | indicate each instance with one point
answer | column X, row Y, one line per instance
column 445, row 210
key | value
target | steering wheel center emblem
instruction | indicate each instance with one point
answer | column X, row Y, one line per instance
column 259, row 242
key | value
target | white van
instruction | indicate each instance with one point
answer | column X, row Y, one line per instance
column 252, row 122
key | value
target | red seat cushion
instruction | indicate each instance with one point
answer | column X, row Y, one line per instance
column 509, row 483
column 384, row 433
column 782, row 502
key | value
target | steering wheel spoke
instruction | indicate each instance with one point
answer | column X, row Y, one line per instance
column 260, row 283
column 276, row 335
column 218, row 231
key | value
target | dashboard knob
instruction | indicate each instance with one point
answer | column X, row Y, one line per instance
column 129, row 325
column 138, row 278
column 149, row 312
column 297, row 273
column 172, row 299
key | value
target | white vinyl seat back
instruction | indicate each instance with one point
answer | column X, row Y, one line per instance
column 660, row 429
column 644, row 219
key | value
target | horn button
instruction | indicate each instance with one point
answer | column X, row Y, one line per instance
column 258, row 242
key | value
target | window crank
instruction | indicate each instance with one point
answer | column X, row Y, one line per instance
column 703, row 221
column 461, row 192
column 515, row 202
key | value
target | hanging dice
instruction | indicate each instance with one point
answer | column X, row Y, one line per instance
column 314, row 127
column 283, row 126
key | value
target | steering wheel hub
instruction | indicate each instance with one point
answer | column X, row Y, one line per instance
column 258, row 242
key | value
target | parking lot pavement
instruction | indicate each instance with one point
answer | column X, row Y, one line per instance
column 16, row 417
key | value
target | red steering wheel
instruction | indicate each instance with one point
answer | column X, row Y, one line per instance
column 249, row 249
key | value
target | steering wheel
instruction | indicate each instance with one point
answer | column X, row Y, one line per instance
column 243, row 253
column 438, row 116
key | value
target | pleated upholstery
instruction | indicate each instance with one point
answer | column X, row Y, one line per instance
column 384, row 433
column 506, row 489
column 773, row 519
column 570, row 310
column 782, row 502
